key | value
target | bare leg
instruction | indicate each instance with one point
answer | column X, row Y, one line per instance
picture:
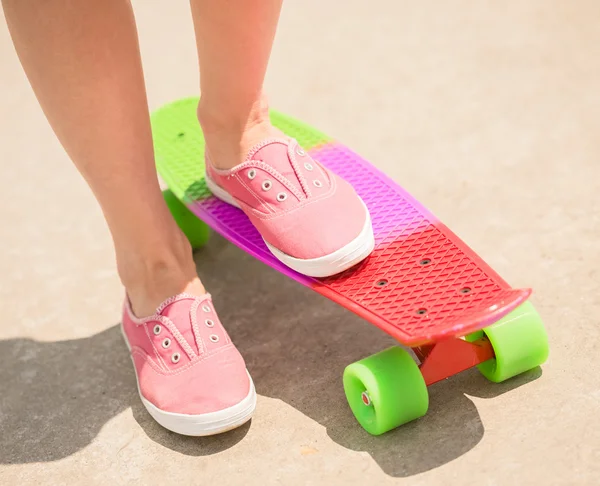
column 82, row 59
column 234, row 39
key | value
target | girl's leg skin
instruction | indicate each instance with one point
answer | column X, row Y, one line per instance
column 82, row 60
column 234, row 39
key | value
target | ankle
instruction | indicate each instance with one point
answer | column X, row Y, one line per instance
column 152, row 275
column 233, row 119
column 231, row 134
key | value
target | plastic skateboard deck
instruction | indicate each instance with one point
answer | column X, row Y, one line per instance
column 420, row 285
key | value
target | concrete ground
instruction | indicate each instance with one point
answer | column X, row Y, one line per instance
column 488, row 112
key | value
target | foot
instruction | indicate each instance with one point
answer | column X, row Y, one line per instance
column 191, row 378
column 311, row 219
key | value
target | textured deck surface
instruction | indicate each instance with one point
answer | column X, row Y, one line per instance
column 421, row 283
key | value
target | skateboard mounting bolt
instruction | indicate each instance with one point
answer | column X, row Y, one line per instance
column 421, row 311
column 382, row 283
column 425, row 261
column 465, row 290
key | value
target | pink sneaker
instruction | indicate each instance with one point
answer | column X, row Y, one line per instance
column 310, row 218
column 191, row 378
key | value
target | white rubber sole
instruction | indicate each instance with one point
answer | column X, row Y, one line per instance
column 325, row 266
column 203, row 424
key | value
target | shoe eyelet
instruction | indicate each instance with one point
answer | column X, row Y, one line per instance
column 209, row 323
column 266, row 185
column 157, row 330
column 205, row 308
column 166, row 343
column 300, row 151
column 214, row 338
column 282, row 196
column 308, row 166
column 175, row 357
column 251, row 173
column 317, row 183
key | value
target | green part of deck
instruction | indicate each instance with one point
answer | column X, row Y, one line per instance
column 179, row 145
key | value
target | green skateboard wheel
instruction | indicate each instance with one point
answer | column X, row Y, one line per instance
column 385, row 390
column 195, row 230
column 519, row 341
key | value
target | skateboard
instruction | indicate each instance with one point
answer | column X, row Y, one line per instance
column 422, row 284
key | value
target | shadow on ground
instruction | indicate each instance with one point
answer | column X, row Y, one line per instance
column 55, row 397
